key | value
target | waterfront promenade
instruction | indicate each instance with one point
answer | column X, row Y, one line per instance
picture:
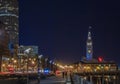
column 47, row 80
column 22, row 79
column 50, row 80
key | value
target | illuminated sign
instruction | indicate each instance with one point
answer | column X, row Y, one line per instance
column 100, row 59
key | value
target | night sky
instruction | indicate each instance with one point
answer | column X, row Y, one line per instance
column 60, row 27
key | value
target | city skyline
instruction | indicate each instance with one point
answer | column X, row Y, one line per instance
column 60, row 28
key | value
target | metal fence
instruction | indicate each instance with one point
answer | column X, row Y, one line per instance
column 79, row 80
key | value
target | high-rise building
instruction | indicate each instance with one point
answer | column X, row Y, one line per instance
column 89, row 46
column 9, row 16
column 4, row 51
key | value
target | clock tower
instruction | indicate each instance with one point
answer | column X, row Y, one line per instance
column 89, row 46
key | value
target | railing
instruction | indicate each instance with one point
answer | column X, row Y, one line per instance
column 80, row 80
column 110, row 77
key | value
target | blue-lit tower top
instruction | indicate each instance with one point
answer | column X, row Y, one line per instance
column 89, row 46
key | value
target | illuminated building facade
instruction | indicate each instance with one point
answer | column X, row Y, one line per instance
column 33, row 52
column 97, row 72
column 90, row 66
column 9, row 16
column 89, row 47
column 4, row 51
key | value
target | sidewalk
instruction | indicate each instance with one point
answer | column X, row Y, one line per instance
column 51, row 80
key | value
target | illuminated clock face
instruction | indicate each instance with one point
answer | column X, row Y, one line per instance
column 89, row 43
column 89, row 37
column 89, row 51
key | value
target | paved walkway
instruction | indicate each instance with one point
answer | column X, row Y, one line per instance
column 51, row 80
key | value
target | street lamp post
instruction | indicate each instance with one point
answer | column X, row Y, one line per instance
column 39, row 66
column 46, row 62
column 27, row 51
column 50, row 65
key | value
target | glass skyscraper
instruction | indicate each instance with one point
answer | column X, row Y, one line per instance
column 9, row 16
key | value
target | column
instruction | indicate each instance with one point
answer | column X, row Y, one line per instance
column 91, row 81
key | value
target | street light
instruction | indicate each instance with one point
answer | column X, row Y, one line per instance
column 50, row 66
column 14, row 64
column 46, row 62
column 27, row 51
column 39, row 64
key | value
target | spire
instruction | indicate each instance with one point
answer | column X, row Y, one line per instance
column 89, row 47
column 89, row 33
